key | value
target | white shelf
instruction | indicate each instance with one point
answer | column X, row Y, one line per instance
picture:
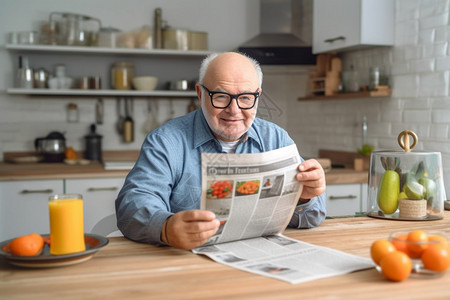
column 98, row 93
column 103, row 50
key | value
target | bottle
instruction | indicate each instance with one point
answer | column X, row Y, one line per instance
column 158, row 29
column 364, row 131
column 374, row 77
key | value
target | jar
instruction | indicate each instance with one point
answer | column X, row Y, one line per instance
column 72, row 113
column 122, row 75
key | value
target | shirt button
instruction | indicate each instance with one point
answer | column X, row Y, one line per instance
column 300, row 209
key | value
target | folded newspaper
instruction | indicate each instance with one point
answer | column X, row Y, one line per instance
column 254, row 197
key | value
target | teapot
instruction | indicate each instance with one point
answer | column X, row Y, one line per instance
column 52, row 147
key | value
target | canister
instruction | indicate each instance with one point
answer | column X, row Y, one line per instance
column 122, row 74
column 406, row 185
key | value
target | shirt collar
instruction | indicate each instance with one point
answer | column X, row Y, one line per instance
column 203, row 134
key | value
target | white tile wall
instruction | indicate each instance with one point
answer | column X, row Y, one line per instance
column 418, row 66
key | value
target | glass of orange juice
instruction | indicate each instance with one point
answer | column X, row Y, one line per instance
column 66, row 224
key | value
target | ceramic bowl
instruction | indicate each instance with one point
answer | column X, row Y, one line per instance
column 145, row 83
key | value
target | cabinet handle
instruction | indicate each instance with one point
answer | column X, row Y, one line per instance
column 95, row 189
column 342, row 197
column 335, row 39
column 47, row 191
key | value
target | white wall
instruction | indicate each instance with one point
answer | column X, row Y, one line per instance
column 228, row 23
column 419, row 67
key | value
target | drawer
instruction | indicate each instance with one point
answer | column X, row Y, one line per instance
column 343, row 199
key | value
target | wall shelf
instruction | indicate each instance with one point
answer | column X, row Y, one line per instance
column 100, row 93
column 342, row 96
column 104, row 50
column 48, row 50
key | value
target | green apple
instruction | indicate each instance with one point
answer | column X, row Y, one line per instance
column 414, row 190
column 430, row 187
column 402, row 195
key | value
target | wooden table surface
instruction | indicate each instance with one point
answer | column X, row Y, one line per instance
column 128, row 270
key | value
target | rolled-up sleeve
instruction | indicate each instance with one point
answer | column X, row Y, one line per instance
column 310, row 214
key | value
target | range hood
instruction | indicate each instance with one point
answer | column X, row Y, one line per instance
column 279, row 41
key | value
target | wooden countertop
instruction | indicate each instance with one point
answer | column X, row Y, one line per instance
column 125, row 269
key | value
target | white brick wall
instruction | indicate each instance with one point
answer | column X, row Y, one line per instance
column 418, row 65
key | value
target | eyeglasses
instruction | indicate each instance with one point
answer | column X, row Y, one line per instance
column 223, row 99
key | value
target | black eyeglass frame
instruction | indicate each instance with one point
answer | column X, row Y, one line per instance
column 232, row 96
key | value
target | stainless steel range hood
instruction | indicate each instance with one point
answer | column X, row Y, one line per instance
column 279, row 42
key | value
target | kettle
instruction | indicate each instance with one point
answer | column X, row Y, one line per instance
column 52, row 147
column 93, row 145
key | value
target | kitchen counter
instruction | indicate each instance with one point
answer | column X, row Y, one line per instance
column 126, row 269
column 37, row 171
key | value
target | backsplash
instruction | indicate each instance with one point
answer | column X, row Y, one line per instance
column 419, row 70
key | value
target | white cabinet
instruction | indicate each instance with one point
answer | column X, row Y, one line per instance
column 99, row 195
column 344, row 199
column 24, row 206
column 349, row 24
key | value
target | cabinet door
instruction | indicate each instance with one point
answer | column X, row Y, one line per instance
column 24, row 206
column 344, row 24
column 343, row 199
column 98, row 197
column 364, row 197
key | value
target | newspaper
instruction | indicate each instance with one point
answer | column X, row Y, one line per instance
column 254, row 197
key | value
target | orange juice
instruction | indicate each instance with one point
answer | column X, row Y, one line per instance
column 66, row 224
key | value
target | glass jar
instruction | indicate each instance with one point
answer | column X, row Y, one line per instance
column 122, row 74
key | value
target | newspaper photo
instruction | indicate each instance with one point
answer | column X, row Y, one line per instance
column 254, row 197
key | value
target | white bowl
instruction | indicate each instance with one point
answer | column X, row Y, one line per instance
column 145, row 83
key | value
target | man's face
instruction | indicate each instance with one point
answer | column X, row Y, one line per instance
column 234, row 74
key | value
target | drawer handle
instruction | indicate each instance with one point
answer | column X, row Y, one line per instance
column 47, row 191
column 342, row 197
column 95, row 189
column 335, row 39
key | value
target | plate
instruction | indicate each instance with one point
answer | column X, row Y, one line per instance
column 46, row 260
column 395, row 216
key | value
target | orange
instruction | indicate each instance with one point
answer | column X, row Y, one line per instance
column 417, row 243
column 379, row 249
column 438, row 240
column 70, row 153
column 399, row 242
column 436, row 258
column 27, row 245
column 396, row 266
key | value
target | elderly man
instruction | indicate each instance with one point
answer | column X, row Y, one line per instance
column 160, row 200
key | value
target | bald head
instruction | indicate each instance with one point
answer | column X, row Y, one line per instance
column 229, row 64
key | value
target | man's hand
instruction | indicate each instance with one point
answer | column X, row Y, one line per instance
column 189, row 229
column 312, row 176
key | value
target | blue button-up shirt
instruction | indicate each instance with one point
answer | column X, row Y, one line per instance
column 167, row 179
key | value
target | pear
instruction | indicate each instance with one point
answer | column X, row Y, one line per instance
column 388, row 192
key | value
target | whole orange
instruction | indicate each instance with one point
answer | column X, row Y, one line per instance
column 399, row 242
column 379, row 249
column 417, row 243
column 396, row 266
column 27, row 245
column 438, row 240
column 436, row 258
